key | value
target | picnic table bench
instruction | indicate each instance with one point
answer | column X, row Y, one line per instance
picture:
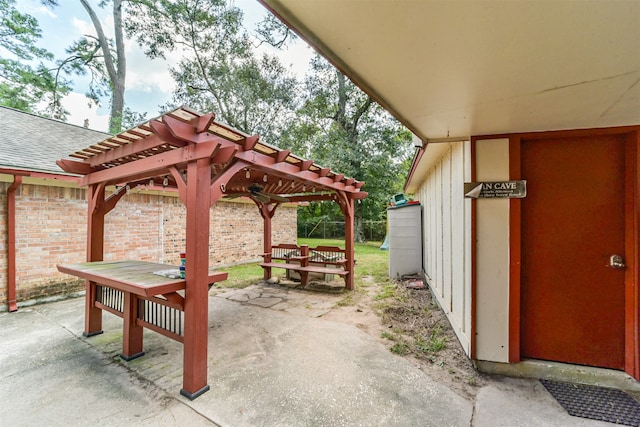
column 325, row 260
column 143, row 299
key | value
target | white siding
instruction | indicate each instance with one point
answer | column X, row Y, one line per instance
column 492, row 255
column 447, row 234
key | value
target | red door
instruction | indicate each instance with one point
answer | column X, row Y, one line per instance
column 572, row 299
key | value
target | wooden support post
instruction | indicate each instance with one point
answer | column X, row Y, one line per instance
column 196, row 303
column 132, row 333
column 304, row 262
column 267, row 243
column 95, row 252
column 267, row 210
column 11, row 243
column 346, row 204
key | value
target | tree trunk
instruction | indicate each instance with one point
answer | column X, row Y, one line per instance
column 117, row 76
column 118, row 84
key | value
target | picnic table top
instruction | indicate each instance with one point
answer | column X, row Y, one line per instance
column 136, row 277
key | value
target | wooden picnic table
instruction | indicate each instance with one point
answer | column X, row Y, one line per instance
column 136, row 277
column 131, row 290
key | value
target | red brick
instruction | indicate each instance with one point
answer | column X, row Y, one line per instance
column 51, row 227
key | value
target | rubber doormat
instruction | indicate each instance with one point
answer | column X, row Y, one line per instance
column 596, row 403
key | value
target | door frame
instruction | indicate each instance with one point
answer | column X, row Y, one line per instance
column 631, row 137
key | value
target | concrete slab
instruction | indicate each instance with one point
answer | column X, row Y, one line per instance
column 523, row 403
column 51, row 377
column 267, row 367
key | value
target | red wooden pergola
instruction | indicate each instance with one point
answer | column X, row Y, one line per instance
column 205, row 161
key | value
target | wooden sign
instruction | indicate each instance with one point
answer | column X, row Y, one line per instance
column 495, row 189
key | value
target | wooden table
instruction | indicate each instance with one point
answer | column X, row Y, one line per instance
column 131, row 276
column 131, row 290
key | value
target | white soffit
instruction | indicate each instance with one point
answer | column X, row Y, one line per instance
column 461, row 68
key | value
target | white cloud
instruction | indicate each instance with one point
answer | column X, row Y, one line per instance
column 82, row 26
column 34, row 7
column 81, row 108
column 146, row 75
column 45, row 11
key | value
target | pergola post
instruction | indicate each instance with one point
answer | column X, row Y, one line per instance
column 95, row 252
column 346, row 204
column 196, row 272
column 267, row 210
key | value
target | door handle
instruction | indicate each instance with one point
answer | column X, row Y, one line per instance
column 616, row 261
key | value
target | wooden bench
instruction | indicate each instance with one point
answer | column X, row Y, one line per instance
column 325, row 260
column 285, row 256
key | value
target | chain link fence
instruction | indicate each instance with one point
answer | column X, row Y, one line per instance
column 321, row 229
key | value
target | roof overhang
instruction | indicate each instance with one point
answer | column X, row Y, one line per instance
column 449, row 70
column 461, row 68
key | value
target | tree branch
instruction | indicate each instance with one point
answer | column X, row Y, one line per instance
column 102, row 40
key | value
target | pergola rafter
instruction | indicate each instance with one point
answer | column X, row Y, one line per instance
column 204, row 161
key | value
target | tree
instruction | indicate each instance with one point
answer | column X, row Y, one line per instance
column 103, row 58
column 341, row 127
column 218, row 70
column 106, row 61
column 26, row 82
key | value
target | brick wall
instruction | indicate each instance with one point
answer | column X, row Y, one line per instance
column 51, row 228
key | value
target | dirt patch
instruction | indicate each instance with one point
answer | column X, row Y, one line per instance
column 411, row 324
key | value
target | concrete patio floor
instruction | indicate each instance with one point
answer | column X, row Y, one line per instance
column 273, row 361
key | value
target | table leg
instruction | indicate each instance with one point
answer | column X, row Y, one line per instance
column 92, row 314
column 132, row 334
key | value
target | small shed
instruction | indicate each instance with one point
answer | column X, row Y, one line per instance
column 405, row 239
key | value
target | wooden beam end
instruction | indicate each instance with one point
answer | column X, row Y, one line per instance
column 250, row 142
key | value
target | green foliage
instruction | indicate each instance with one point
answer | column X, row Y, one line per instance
column 436, row 342
column 400, row 348
column 218, row 70
column 340, row 127
column 26, row 82
column 86, row 58
column 131, row 118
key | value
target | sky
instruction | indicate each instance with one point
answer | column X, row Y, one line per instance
column 148, row 83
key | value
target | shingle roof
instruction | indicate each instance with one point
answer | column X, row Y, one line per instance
column 34, row 143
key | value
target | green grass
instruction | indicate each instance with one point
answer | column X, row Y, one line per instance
column 388, row 291
column 436, row 342
column 241, row 276
column 388, row 335
column 370, row 262
column 400, row 348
